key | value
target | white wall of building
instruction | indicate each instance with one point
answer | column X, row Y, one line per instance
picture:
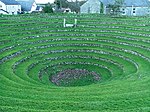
column 135, row 11
column 91, row 6
column 33, row 7
column 13, row 9
column 3, row 12
column 2, row 6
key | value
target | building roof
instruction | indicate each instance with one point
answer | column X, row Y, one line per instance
column 9, row 2
column 137, row 3
column 26, row 5
column 107, row 2
column 129, row 3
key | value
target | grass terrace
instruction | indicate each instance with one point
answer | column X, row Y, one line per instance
column 102, row 65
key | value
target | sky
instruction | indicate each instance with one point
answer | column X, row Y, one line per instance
column 51, row 1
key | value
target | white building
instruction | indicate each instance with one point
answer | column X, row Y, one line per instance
column 27, row 5
column 129, row 7
column 91, row 6
column 136, row 7
column 9, row 6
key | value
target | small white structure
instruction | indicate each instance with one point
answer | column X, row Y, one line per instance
column 39, row 8
column 67, row 10
column 10, row 6
column 70, row 25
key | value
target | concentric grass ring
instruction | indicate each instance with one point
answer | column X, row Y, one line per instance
column 35, row 48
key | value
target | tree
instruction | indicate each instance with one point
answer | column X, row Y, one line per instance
column 102, row 8
column 115, row 8
column 48, row 8
column 73, row 5
column 58, row 4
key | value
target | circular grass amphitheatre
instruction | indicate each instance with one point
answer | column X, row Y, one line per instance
column 102, row 65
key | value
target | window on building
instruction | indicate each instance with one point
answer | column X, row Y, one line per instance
column 133, row 10
column 123, row 12
column 0, row 6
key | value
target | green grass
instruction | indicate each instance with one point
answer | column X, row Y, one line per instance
column 118, row 49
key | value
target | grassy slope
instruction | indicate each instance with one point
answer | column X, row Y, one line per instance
column 125, row 82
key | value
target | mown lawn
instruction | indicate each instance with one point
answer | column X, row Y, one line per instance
column 33, row 48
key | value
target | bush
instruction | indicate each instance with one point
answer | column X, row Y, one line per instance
column 48, row 8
